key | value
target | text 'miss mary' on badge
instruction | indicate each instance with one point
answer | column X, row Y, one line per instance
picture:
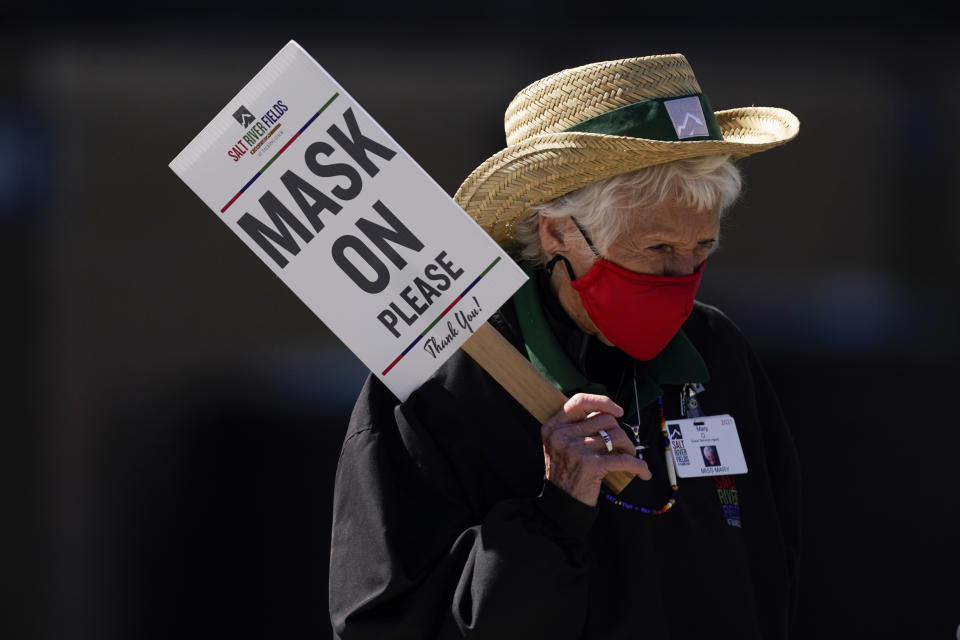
column 346, row 218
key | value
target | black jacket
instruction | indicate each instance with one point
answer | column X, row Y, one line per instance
column 445, row 528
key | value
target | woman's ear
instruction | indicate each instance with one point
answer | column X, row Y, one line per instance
column 553, row 234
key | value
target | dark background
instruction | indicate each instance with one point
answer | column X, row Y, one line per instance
column 171, row 413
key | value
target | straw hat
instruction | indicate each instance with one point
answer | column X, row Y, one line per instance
column 599, row 120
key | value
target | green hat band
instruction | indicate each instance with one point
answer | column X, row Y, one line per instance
column 676, row 119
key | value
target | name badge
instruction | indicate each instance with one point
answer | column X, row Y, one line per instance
column 706, row 446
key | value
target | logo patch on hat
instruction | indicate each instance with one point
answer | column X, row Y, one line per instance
column 686, row 114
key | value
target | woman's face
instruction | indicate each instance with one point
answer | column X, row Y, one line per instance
column 669, row 240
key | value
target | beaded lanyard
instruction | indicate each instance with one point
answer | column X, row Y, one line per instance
column 671, row 470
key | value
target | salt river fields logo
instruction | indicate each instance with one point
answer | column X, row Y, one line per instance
column 243, row 116
column 679, row 448
column 680, row 452
column 258, row 129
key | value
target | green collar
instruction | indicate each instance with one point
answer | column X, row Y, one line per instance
column 678, row 363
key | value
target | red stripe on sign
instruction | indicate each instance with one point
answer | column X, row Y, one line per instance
column 232, row 200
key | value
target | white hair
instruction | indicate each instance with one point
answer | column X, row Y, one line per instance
column 604, row 208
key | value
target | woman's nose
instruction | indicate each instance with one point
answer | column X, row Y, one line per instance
column 680, row 264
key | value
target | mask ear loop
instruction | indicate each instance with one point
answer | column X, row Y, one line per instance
column 553, row 262
column 583, row 232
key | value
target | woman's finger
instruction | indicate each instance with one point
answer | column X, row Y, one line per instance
column 581, row 405
column 627, row 463
column 589, row 426
column 619, row 442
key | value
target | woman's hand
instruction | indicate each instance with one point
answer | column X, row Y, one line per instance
column 576, row 455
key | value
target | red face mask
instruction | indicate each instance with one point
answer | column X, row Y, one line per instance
column 638, row 313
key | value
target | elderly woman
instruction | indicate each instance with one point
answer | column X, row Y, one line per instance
column 459, row 515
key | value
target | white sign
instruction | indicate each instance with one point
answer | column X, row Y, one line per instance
column 346, row 218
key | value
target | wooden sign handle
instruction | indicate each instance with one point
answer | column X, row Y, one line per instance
column 521, row 379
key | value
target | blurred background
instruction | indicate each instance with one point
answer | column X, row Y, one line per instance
column 172, row 414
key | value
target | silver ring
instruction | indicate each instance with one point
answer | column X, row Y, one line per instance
column 607, row 440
